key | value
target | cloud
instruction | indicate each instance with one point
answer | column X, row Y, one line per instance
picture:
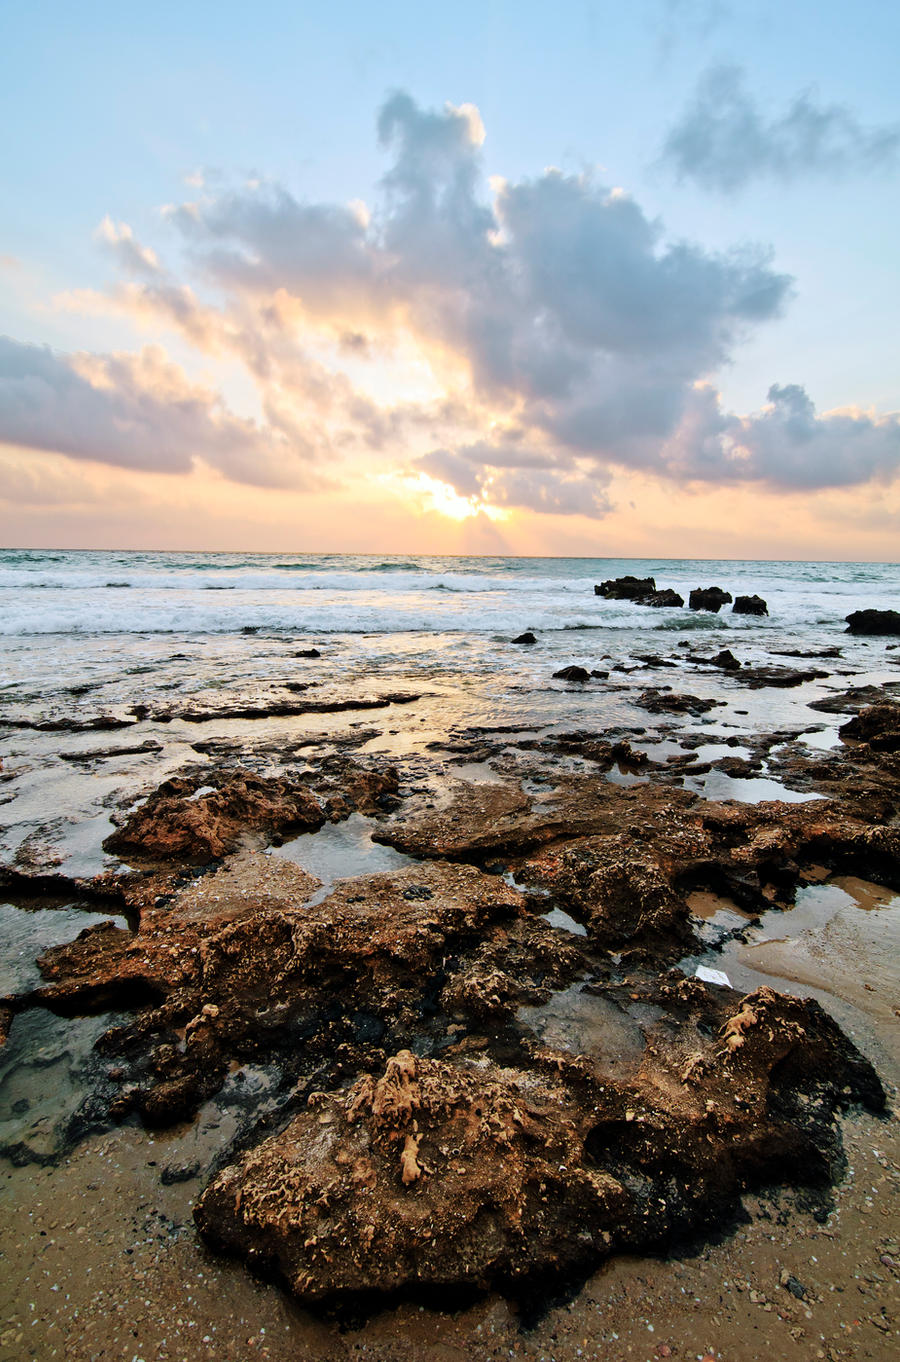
column 785, row 445
column 723, row 141
column 558, row 305
column 509, row 477
column 517, row 340
column 135, row 411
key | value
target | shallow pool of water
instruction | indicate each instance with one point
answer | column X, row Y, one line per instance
column 339, row 851
column 746, row 790
column 585, row 1023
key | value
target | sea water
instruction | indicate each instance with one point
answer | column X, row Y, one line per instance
column 84, row 617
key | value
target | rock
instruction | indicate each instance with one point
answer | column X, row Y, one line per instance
column 527, row 637
column 476, row 817
column 308, row 652
column 178, row 820
column 667, row 702
column 98, row 753
column 661, row 599
column 260, row 970
column 619, row 890
column 574, row 673
column 726, row 660
column 99, row 724
column 855, row 699
column 474, row 1174
column 278, row 709
column 874, row 622
column 709, row 598
column 878, row 725
column 783, row 678
column 625, row 588
column 749, row 605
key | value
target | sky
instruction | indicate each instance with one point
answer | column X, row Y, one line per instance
column 517, row 278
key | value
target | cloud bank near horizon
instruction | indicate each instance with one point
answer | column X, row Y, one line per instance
column 519, row 343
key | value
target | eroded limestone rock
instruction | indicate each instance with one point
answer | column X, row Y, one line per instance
column 475, row 1174
column 181, row 820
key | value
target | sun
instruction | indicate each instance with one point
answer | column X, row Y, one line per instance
column 440, row 497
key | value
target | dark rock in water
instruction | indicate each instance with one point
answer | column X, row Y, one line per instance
column 667, row 599
column 96, row 753
column 783, row 678
column 878, row 725
column 667, row 702
column 709, row 598
column 749, row 605
column 654, row 660
column 573, row 674
column 527, row 637
column 250, row 629
column 855, row 699
column 874, row 622
column 727, row 660
column 625, row 588
column 101, row 723
column 308, row 652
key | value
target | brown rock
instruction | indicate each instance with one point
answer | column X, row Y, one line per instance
column 179, row 821
column 473, row 1174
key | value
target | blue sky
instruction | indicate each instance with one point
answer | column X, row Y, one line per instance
column 111, row 113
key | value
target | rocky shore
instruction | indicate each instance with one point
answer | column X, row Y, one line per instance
column 478, row 992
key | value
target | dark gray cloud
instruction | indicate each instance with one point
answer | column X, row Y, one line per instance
column 134, row 411
column 723, row 140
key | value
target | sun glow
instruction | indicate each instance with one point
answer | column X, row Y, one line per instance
column 439, row 496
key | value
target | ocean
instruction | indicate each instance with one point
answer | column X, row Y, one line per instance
column 67, row 616
column 92, row 640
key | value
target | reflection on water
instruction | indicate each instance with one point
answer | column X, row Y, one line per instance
column 840, row 942
column 557, row 918
column 44, row 1081
column 585, row 1023
column 26, row 932
column 746, row 790
column 339, row 851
